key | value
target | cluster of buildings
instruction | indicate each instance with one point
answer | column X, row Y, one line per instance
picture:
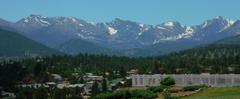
column 214, row 80
column 6, row 95
column 89, row 80
column 86, row 87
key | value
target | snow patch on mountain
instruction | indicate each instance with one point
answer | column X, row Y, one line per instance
column 80, row 24
column 229, row 24
column 141, row 25
column 140, row 33
column 26, row 20
column 84, row 37
column 156, row 41
column 44, row 22
column 170, row 38
column 112, row 31
column 205, row 24
column 41, row 21
column 187, row 34
column 36, row 19
column 169, row 24
column 92, row 23
column 159, row 27
column 73, row 19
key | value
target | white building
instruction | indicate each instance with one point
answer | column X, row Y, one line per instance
column 88, row 88
column 65, row 85
column 90, row 79
column 93, row 78
column 215, row 80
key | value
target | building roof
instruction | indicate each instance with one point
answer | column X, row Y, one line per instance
column 75, row 85
column 116, row 81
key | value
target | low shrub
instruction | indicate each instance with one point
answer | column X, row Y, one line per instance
column 194, row 87
column 156, row 89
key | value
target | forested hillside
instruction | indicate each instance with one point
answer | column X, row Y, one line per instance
column 220, row 57
column 76, row 46
column 13, row 44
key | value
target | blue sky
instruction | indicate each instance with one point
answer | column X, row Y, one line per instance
column 188, row 12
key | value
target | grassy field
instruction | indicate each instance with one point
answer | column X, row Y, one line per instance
column 217, row 93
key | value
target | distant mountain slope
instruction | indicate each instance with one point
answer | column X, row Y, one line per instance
column 164, row 48
column 76, row 46
column 230, row 41
column 14, row 44
column 228, row 47
column 181, row 45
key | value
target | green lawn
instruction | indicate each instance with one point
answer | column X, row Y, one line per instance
column 217, row 93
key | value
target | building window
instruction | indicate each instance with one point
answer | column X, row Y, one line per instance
column 141, row 81
column 136, row 81
column 149, row 81
column 153, row 81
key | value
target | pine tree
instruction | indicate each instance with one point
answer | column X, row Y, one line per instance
column 122, row 72
column 156, row 68
column 95, row 88
column 41, row 93
column 104, row 85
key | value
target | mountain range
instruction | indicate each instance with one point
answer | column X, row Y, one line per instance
column 121, row 37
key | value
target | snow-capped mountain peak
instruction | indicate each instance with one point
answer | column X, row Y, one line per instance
column 128, row 33
column 35, row 19
column 172, row 24
column 168, row 24
column 219, row 18
column 219, row 23
column 73, row 19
